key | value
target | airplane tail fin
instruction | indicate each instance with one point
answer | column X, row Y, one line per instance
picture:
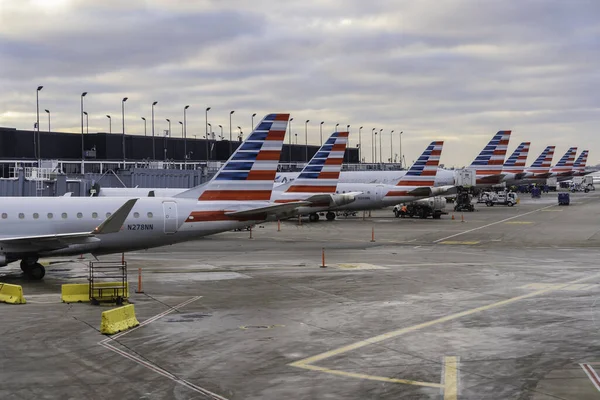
column 491, row 158
column 545, row 159
column 322, row 172
column 519, row 157
column 249, row 173
column 568, row 159
column 581, row 160
column 424, row 170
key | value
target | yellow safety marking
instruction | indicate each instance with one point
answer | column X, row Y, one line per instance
column 519, row 222
column 451, row 378
column 571, row 288
column 360, row 266
column 460, row 242
column 365, row 376
column 246, row 327
column 306, row 363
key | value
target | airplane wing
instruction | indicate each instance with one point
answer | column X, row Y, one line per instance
column 332, row 199
column 111, row 224
column 422, row 191
column 272, row 210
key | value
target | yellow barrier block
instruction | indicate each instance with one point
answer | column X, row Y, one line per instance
column 118, row 320
column 11, row 294
column 80, row 292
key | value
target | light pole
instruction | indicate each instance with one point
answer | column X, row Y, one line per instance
column 169, row 121
column 87, row 123
column 153, row 144
column 392, row 146
column 252, row 127
column 359, row 145
column 306, row 140
column 230, row 137
column 347, row 143
column 221, row 126
column 336, row 125
column 185, row 136
column 401, row 149
column 123, row 134
column 206, row 119
column 36, row 146
column 380, row 137
column 48, row 111
column 144, row 119
column 290, row 126
column 376, row 146
column 110, row 123
column 321, row 131
column 210, row 132
column 184, row 154
column 240, row 134
column 372, row 145
column 295, row 134
column 82, row 150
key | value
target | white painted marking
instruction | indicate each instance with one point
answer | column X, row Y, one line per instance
column 155, row 368
column 493, row 223
column 592, row 374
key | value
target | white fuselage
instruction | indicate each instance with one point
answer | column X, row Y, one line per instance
column 152, row 222
column 444, row 177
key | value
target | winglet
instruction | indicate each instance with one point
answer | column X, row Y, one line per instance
column 114, row 223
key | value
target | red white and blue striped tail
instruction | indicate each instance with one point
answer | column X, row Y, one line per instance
column 322, row 172
column 565, row 164
column 545, row 159
column 491, row 159
column 249, row 173
column 424, row 170
column 516, row 162
column 579, row 164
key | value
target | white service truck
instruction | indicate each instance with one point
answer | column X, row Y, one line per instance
column 504, row 198
column 431, row 207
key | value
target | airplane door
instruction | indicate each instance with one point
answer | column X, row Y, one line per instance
column 170, row 212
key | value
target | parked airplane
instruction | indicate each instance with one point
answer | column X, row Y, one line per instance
column 489, row 163
column 318, row 180
column 238, row 195
column 540, row 169
column 514, row 166
column 579, row 164
column 416, row 184
column 564, row 167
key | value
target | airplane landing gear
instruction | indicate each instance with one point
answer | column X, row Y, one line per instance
column 330, row 215
column 313, row 217
column 32, row 269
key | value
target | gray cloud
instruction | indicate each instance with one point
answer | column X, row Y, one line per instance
column 458, row 70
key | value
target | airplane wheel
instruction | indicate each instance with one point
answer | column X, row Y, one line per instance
column 313, row 217
column 35, row 272
column 330, row 216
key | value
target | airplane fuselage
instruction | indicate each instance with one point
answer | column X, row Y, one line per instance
column 151, row 223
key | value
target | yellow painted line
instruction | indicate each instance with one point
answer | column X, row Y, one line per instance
column 393, row 334
column 571, row 288
column 460, row 242
column 493, row 223
column 519, row 222
column 451, row 378
column 369, row 377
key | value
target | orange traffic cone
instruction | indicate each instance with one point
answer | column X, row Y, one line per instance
column 452, row 217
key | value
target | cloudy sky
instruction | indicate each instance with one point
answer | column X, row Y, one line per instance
column 457, row 70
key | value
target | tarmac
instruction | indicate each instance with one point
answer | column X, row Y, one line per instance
column 505, row 305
